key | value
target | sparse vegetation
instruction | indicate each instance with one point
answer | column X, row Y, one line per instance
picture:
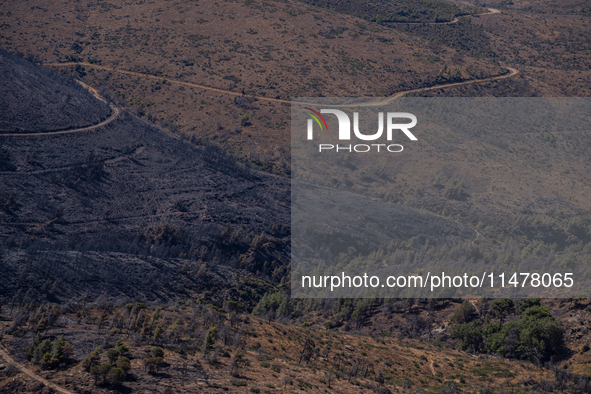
column 187, row 244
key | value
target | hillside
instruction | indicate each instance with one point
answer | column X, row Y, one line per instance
column 146, row 198
column 134, row 212
column 250, row 121
column 275, row 357
column 275, row 50
column 128, row 209
column 35, row 100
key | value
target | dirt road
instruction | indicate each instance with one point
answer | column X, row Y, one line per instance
column 4, row 354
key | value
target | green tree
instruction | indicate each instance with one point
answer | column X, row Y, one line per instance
column 115, row 376
column 91, row 360
column 278, row 303
column 99, row 372
column 30, row 349
column 527, row 303
column 471, row 335
column 502, row 308
column 46, row 352
column 62, row 349
column 113, row 355
column 536, row 336
column 541, row 338
column 157, row 352
column 209, row 341
column 464, row 313
column 41, row 350
column 48, row 360
column 121, row 347
column 536, row 312
column 124, row 364
column 233, row 306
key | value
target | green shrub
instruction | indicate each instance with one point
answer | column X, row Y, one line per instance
column 124, row 364
column 157, row 352
column 244, row 119
column 48, row 353
column 115, row 376
column 113, row 355
column 536, row 336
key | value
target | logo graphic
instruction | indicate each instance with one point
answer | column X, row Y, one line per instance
column 345, row 124
column 345, row 129
column 315, row 116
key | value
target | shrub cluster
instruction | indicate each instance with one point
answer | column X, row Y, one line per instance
column 536, row 335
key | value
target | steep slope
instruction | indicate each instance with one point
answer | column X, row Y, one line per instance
column 272, row 49
column 36, row 100
column 97, row 210
column 132, row 211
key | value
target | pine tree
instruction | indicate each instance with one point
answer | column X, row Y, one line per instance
column 209, row 341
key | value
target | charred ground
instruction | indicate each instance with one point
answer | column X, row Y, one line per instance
column 35, row 100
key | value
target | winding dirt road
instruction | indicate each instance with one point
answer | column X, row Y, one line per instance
column 115, row 111
column 512, row 72
column 454, row 20
column 4, row 354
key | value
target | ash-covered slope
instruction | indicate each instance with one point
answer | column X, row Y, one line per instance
column 131, row 189
column 34, row 100
column 85, row 211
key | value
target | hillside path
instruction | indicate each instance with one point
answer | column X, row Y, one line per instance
column 115, row 111
column 32, row 374
column 454, row 20
column 512, row 72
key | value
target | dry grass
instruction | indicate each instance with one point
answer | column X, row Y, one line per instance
column 273, row 353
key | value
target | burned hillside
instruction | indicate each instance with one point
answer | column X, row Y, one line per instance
column 35, row 100
column 126, row 190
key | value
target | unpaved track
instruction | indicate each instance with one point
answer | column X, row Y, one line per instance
column 116, row 111
column 512, row 72
column 114, row 114
column 455, row 20
column 32, row 374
